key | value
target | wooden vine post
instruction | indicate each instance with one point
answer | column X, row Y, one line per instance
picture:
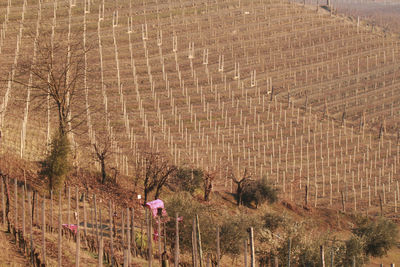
column 3, row 202
column 252, row 252
column 149, row 235
column 43, row 232
column 218, row 247
column 59, row 231
column 199, row 241
column 194, row 242
column 78, row 237
column 176, row 260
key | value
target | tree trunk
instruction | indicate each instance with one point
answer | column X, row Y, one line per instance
column 103, row 171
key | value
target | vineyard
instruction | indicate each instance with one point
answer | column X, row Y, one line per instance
column 306, row 98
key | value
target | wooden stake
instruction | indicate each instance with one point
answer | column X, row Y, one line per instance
column 16, row 202
column 245, row 252
column 23, row 212
column 59, row 230
column 199, row 241
column 322, row 255
column 252, row 252
column 78, row 237
column 3, row 203
column 69, row 206
column 100, row 252
column 218, row 247
column 149, row 238
column 43, row 232
column 176, row 262
column 111, row 226
column 51, row 211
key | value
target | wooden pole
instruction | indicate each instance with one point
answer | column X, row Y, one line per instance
column 194, row 243
column 252, row 255
column 245, row 252
column 149, row 235
column 16, row 202
column 159, row 237
column 218, row 248
column 289, row 250
column 95, row 218
column 101, row 252
column 111, row 234
column 23, row 212
column 199, row 241
column 43, row 232
column 128, row 235
column 30, row 226
column 69, row 207
column 322, row 254
column 133, row 232
column 3, row 203
column 59, row 230
column 84, row 216
column 51, row 211
column 78, row 237
column 176, row 262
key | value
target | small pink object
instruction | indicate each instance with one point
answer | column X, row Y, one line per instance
column 72, row 227
column 155, row 205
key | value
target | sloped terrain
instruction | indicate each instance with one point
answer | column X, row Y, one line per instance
column 299, row 96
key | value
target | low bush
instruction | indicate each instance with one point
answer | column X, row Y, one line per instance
column 186, row 179
column 259, row 192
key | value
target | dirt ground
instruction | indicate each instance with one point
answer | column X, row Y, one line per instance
column 9, row 253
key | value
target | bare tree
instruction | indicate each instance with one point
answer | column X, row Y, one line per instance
column 56, row 72
column 155, row 173
column 103, row 150
column 241, row 183
column 208, row 179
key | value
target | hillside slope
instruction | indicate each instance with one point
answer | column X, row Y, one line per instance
column 299, row 96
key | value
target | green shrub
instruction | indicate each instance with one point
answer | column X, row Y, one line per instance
column 188, row 180
column 57, row 164
column 258, row 192
column 379, row 236
column 271, row 221
column 187, row 208
column 234, row 230
column 352, row 251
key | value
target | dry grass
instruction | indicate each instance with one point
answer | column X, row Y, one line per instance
column 9, row 252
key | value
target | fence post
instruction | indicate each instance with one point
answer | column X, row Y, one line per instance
column 3, row 202
column 252, row 256
column 322, row 256
column 95, row 218
column 69, row 206
column 30, row 227
column 101, row 252
column 59, row 229
column 176, row 262
column 245, row 252
column 128, row 235
column 194, row 243
column 111, row 234
column 199, row 241
column 159, row 236
column 78, row 236
column 133, row 232
column 23, row 212
column 51, row 211
column 84, row 216
column 218, row 248
column 149, row 235
column 43, row 231
column 289, row 250
column 16, row 203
